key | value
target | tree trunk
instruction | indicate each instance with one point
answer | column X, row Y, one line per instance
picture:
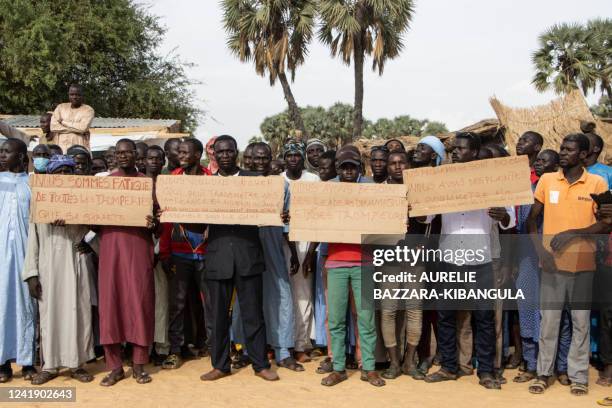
column 294, row 111
column 358, row 106
column 608, row 92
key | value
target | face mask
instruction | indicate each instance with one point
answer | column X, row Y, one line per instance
column 40, row 164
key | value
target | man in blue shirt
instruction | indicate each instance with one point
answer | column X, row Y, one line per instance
column 591, row 163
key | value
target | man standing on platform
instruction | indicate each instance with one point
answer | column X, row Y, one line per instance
column 70, row 121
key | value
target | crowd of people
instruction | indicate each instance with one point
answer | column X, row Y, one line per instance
column 247, row 295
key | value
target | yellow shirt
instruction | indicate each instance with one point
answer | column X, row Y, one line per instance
column 569, row 206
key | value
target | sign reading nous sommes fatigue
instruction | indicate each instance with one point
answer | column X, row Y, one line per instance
column 221, row 200
column 343, row 212
column 469, row 186
column 90, row 200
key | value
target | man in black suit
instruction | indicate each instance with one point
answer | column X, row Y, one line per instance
column 234, row 259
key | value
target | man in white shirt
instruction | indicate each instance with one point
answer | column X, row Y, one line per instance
column 295, row 252
column 470, row 230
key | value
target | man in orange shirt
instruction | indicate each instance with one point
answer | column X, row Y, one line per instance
column 567, row 257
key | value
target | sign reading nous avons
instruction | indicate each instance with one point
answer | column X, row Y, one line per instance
column 469, row 186
column 89, row 200
column 238, row 200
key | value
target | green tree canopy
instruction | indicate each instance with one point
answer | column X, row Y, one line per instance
column 108, row 46
column 335, row 126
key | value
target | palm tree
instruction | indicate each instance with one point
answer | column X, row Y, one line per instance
column 354, row 28
column 274, row 34
column 602, row 29
column 566, row 59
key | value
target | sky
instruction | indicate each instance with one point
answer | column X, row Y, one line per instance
column 457, row 54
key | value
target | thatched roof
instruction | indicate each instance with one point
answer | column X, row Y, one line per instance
column 553, row 121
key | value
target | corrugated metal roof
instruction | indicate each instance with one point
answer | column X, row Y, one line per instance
column 33, row 121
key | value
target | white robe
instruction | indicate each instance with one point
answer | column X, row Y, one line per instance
column 65, row 308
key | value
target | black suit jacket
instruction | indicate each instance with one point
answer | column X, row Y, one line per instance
column 233, row 249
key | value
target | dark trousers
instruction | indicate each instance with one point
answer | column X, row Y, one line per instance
column 184, row 295
column 484, row 342
column 217, row 300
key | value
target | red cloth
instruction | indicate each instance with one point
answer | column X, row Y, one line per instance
column 534, row 177
column 173, row 241
column 112, row 355
column 344, row 252
column 180, row 170
column 126, row 286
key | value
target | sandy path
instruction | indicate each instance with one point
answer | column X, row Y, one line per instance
column 182, row 388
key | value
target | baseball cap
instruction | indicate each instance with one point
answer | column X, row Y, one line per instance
column 348, row 154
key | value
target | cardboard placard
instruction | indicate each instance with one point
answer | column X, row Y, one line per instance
column 469, row 186
column 343, row 212
column 239, row 200
column 89, row 200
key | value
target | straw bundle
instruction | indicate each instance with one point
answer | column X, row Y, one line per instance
column 553, row 121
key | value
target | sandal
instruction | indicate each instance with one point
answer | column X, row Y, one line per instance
column 28, row 372
column 524, row 377
column 604, row 381
column 142, row 377
column 326, row 366
column 439, row 376
column 336, row 377
column 415, row 373
column 606, row 402
column 514, row 362
column 372, row 377
column 488, row 381
column 43, row 377
column 539, row 385
column 579, row 389
column 112, row 378
column 290, row 364
column 302, row 357
column 6, row 375
column 392, row 372
column 563, row 379
column 81, row 375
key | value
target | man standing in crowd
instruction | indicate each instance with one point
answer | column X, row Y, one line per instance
column 343, row 272
column 40, row 158
column 82, row 160
column 247, row 157
column 378, row 163
column 141, row 157
column 110, row 158
column 278, row 302
column 455, row 226
column 596, row 145
column 182, row 252
column 70, row 121
column 57, row 279
column 429, row 151
column 98, row 165
column 314, row 149
column 530, row 143
column 235, row 260
column 410, row 311
column 528, row 280
column 301, row 283
column 126, row 285
column 171, row 149
column 17, row 308
column 568, row 271
column 395, row 145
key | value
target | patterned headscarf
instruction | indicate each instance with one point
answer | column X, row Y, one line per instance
column 59, row 160
column 293, row 146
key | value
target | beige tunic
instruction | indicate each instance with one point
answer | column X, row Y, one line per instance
column 69, row 125
column 65, row 308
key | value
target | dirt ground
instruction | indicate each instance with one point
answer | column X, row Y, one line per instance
column 182, row 388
